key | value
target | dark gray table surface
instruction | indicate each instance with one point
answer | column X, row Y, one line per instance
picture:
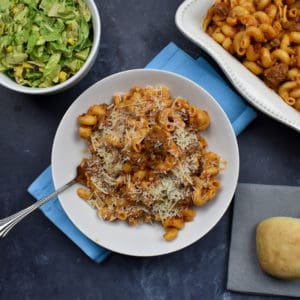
column 38, row 262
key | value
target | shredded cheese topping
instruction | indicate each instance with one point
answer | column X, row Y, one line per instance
column 148, row 161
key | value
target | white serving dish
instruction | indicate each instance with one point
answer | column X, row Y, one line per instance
column 189, row 18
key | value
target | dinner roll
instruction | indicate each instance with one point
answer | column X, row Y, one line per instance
column 278, row 247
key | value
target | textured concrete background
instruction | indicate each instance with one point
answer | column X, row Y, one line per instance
column 38, row 262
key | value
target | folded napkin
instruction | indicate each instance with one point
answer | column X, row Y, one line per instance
column 252, row 204
column 171, row 59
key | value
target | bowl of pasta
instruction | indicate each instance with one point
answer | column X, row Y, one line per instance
column 158, row 162
column 256, row 44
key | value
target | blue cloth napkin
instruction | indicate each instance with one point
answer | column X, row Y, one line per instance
column 173, row 59
column 42, row 187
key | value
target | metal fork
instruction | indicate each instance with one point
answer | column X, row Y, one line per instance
column 10, row 222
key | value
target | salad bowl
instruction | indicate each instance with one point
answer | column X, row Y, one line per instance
column 51, row 47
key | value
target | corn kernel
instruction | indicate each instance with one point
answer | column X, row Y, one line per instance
column 27, row 65
column 19, row 71
column 62, row 76
column 71, row 41
column 9, row 48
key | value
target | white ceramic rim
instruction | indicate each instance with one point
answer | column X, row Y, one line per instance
column 96, row 23
column 229, row 139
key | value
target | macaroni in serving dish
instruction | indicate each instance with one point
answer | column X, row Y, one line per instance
column 148, row 161
column 264, row 35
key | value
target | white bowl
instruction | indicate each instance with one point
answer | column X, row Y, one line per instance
column 144, row 239
column 189, row 18
column 96, row 23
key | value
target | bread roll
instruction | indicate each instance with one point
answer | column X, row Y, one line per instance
column 278, row 247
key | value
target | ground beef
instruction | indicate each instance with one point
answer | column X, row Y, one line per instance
column 275, row 43
column 221, row 9
column 275, row 75
column 294, row 26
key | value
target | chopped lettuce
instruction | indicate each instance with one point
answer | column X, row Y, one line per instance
column 4, row 5
column 43, row 42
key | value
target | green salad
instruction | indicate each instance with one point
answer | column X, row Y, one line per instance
column 43, row 42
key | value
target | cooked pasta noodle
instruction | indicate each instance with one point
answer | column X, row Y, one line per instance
column 265, row 36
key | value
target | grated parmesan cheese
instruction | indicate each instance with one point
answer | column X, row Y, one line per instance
column 183, row 138
column 166, row 194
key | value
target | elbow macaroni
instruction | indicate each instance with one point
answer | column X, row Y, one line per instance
column 148, row 161
column 265, row 36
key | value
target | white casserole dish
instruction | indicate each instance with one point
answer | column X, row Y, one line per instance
column 189, row 18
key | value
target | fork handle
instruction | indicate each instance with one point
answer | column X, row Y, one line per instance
column 10, row 222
